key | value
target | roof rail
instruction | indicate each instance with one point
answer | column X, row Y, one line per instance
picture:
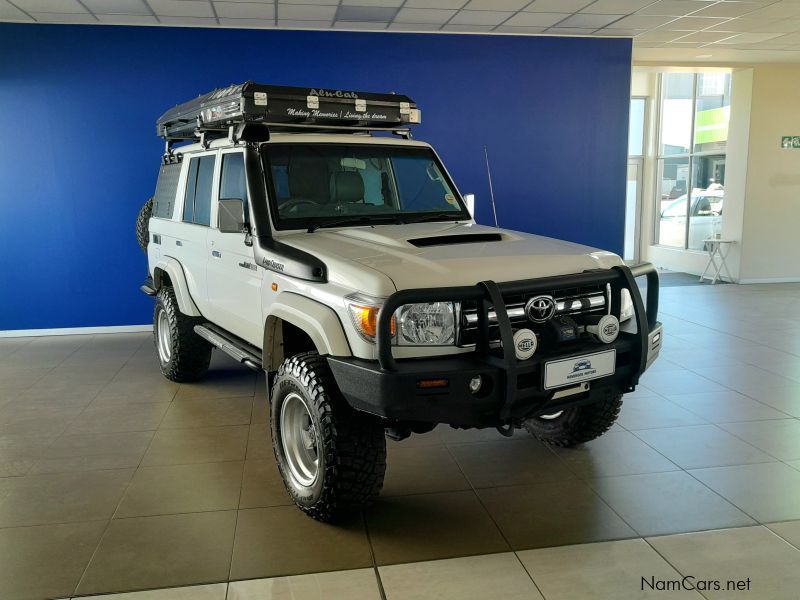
column 226, row 111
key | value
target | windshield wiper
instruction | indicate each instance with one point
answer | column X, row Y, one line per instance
column 354, row 220
column 440, row 216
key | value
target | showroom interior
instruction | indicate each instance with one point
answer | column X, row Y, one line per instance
column 621, row 125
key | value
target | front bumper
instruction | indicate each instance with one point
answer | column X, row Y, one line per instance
column 511, row 390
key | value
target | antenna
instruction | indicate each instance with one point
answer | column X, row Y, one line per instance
column 491, row 189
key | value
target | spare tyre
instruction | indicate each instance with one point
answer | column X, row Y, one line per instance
column 143, row 225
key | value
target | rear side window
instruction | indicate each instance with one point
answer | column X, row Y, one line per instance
column 233, row 182
column 166, row 188
column 197, row 206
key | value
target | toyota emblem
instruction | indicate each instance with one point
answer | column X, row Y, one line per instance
column 540, row 308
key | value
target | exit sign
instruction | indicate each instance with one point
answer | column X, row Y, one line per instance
column 790, row 141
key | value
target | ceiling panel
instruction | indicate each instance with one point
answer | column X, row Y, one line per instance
column 683, row 29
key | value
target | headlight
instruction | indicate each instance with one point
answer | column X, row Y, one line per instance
column 626, row 306
column 427, row 324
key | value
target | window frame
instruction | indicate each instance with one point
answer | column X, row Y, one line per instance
column 218, row 187
column 690, row 156
column 187, row 159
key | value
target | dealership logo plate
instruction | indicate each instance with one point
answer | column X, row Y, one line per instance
column 571, row 371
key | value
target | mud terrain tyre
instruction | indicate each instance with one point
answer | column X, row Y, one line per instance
column 143, row 225
column 183, row 355
column 576, row 425
column 331, row 457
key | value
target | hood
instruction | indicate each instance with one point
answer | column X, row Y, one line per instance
column 442, row 254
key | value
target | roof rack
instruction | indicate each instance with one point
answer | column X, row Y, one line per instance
column 228, row 110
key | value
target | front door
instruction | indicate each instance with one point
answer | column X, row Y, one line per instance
column 234, row 279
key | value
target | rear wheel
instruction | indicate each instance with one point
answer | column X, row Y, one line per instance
column 183, row 355
column 576, row 425
column 332, row 458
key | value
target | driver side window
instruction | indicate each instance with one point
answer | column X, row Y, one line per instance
column 233, row 179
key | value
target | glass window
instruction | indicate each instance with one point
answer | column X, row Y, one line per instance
column 636, row 127
column 677, row 99
column 692, row 179
column 313, row 185
column 233, row 181
column 197, row 206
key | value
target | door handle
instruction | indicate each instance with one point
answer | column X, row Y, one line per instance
column 216, row 254
column 178, row 243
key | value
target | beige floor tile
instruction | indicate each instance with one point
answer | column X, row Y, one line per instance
column 600, row 571
column 281, row 540
column 661, row 503
column 726, row 407
column 754, row 553
column 259, row 442
column 182, row 489
column 550, row 514
column 431, row 526
column 767, row 492
column 781, row 438
column 220, row 383
column 491, row 464
column 64, row 498
column 788, row 530
column 468, row 578
column 421, row 470
column 93, row 452
column 208, row 444
column 208, row 412
column 358, row 584
column 652, row 412
column 163, row 551
column 262, row 485
column 45, row 561
column 128, row 417
column 614, row 453
column 213, row 591
column 699, row 446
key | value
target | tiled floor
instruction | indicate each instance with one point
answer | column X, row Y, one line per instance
column 113, row 479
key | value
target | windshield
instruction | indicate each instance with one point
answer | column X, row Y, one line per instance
column 338, row 184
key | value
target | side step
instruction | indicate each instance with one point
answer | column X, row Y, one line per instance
column 233, row 346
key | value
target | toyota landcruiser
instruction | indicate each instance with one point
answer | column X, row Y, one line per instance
column 306, row 234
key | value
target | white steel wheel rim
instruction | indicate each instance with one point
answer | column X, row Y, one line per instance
column 299, row 440
column 163, row 339
column 551, row 416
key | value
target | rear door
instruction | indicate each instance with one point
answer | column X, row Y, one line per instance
column 192, row 234
column 234, row 279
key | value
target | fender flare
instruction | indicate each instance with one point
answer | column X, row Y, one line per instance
column 174, row 270
column 319, row 321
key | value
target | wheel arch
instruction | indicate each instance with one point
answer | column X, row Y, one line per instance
column 169, row 271
column 295, row 321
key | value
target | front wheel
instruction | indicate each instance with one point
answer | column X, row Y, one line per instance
column 332, row 458
column 577, row 425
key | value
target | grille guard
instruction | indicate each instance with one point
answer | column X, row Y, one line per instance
column 490, row 294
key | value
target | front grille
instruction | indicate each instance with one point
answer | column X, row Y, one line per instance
column 574, row 302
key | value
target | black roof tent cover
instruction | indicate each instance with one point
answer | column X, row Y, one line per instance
column 281, row 105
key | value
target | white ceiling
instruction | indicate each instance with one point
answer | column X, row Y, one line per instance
column 663, row 30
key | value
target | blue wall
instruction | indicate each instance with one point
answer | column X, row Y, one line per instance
column 79, row 154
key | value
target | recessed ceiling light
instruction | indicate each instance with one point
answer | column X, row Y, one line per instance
column 704, row 56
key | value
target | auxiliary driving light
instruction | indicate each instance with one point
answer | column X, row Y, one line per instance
column 606, row 329
column 475, row 384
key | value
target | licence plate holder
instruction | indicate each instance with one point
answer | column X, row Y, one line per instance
column 577, row 369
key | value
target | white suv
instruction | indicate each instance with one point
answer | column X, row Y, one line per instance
column 305, row 233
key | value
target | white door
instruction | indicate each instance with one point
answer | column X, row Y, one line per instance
column 234, row 279
column 192, row 236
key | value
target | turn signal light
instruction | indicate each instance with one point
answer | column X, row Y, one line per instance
column 366, row 319
column 426, row 384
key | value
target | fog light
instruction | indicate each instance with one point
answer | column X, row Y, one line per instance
column 606, row 329
column 475, row 384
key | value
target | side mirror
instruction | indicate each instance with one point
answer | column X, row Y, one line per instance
column 470, row 201
column 231, row 215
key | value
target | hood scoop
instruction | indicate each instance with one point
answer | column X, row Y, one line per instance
column 451, row 240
